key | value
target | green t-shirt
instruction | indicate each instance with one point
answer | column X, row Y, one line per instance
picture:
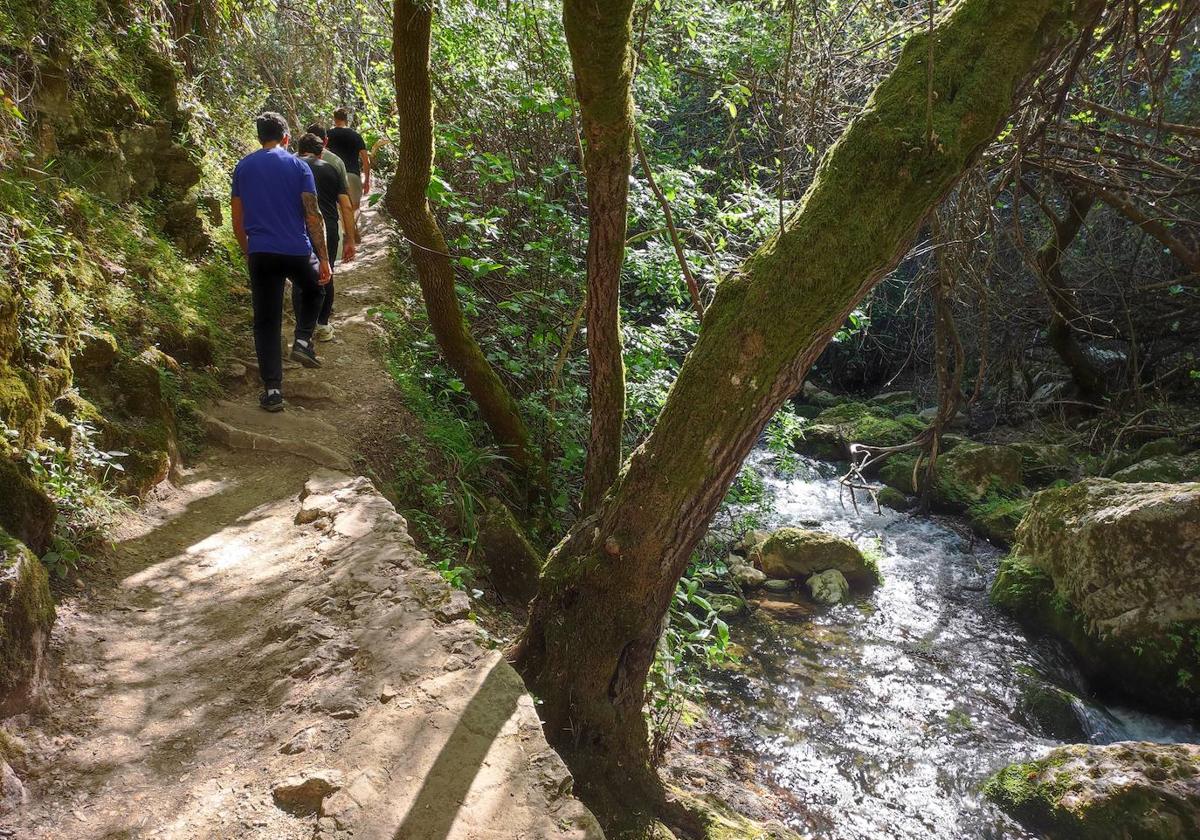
column 337, row 163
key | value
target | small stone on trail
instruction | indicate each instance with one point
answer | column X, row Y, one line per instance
column 457, row 606
column 387, row 694
column 302, row 794
column 301, row 741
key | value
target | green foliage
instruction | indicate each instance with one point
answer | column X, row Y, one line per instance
column 695, row 637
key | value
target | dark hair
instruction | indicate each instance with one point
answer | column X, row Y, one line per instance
column 271, row 126
column 342, row 115
column 310, row 144
column 317, row 129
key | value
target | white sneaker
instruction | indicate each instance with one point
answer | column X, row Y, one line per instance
column 323, row 332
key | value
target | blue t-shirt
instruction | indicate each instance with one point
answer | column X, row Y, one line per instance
column 269, row 183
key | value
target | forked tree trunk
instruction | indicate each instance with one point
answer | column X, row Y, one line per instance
column 1063, row 312
column 598, row 35
column 406, row 202
column 594, row 624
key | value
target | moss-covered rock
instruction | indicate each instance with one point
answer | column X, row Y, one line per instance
column 832, row 432
column 717, row 821
column 1113, row 570
column 893, row 498
column 509, row 559
column 1115, row 792
column 1047, row 709
column 967, row 475
column 897, row 473
column 1043, row 463
column 971, row 473
column 26, row 616
column 1163, row 467
column 794, row 553
column 997, row 518
column 25, row 511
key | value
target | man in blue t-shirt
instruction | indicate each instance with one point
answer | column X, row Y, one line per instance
column 282, row 233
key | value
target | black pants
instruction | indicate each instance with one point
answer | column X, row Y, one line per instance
column 331, row 242
column 267, row 275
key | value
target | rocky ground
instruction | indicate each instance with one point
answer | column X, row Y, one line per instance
column 269, row 656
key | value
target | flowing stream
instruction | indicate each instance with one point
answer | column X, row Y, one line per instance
column 882, row 718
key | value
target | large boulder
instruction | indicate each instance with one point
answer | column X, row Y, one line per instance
column 1043, row 463
column 967, row 475
column 510, row 560
column 1116, row 792
column 970, row 473
column 835, row 429
column 1114, row 570
column 794, row 553
column 1162, row 467
column 26, row 616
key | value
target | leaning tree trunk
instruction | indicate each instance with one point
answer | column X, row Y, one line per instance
column 595, row 621
column 598, row 35
column 1063, row 313
column 406, row 202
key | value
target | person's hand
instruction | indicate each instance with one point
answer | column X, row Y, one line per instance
column 367, row 185
column 324, row 273
column 348, row 250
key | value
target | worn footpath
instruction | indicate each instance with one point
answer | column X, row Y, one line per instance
column 271, row 657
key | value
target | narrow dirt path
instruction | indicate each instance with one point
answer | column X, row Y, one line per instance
column 270, row 656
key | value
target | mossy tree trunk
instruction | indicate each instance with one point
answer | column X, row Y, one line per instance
column 598, row 36
column 596, row 620
column 1061, row 331
column 406, row 202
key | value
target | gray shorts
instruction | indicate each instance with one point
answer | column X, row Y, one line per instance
column 354, row 187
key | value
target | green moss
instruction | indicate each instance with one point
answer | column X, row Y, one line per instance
column 25, row 511
column 997, row 517
column 26, row 614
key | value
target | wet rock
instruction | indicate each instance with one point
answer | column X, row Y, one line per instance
column 893, row 498
column 775, row 585
column 26, row 616
column 1114, row 792
column 792, row 553
column 1113, row 569
column 829, row 587
column 1048, row 710
column 303, row 794
column 512, row 563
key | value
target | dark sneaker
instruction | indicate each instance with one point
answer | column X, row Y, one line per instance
column 304, row 354
column 271, row 401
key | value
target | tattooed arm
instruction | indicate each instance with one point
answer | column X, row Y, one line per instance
column 316, row 232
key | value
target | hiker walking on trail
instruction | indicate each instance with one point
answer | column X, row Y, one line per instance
column 279, row 225
column 333, row 200
column 327, row 156
column 349, row 145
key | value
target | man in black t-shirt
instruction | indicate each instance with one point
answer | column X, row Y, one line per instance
column 333, row 200
column 349, row 145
